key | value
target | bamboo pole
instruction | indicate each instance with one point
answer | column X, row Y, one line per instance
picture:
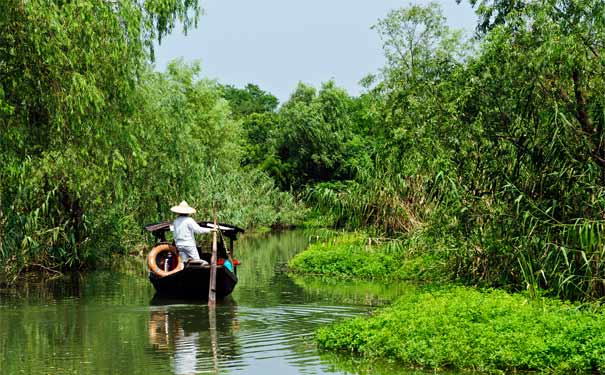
column 212, row 289
column 213, row 337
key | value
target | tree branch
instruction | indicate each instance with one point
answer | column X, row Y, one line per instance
column 581, row 113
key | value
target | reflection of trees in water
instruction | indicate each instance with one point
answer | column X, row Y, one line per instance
column 101, row 324
column 263, row 276
column 196, row 336
column 357, row 292
column 45, row 322
column 262, row 280
column 112, row 286
column 262, row 254
column 348, row 364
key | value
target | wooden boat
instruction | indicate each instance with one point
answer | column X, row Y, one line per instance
column 192, row 280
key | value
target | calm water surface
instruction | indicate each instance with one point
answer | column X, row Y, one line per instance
column 103, row 323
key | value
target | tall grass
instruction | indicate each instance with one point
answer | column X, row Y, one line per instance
column 382, row 198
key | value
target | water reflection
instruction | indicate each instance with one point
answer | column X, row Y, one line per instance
column 351, row 292
column 108, row 323
column 193, row 335
column 167, row 334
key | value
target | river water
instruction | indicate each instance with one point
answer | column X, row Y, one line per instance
column 108, row 323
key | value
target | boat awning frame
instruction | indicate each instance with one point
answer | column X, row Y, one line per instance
column 159, row 229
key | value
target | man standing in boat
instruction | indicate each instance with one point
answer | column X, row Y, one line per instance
column 184, row 232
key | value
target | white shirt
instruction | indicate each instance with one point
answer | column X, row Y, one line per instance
column 184, row 229
column 185, row 353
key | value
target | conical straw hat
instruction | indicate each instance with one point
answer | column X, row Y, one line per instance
column 183, row 208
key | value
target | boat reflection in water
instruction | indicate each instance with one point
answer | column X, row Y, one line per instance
column 194, row 335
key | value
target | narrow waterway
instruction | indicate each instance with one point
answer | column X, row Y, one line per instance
column 103, row 323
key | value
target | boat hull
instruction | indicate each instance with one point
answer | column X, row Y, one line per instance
column 194, row 283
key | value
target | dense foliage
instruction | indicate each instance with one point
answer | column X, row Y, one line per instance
column 94, row 144
column 534, row 160
column 360, row 257
column 308, row 140
column 485, row 331
column 497, row 143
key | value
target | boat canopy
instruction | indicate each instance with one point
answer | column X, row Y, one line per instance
column 159, row 230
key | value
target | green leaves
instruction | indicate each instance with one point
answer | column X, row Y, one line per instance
column 69, row 73
column 311, row 136
column 358, row 256
column 502, row 148
column 249, row 100
column 466, row 329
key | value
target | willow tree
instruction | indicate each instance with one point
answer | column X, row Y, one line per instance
column 68, row 71
column 495, row 12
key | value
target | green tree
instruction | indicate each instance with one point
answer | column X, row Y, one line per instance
column 535, row 108
column 405, row 121
column 314, row 130
column 495, row 12
column 261, row 130
column 414, row 39
column 68, row 71
column 257, row 111
column 183, row 128
column 251, row 99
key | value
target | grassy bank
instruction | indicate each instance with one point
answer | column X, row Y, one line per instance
column 357, row 255
column 461, row 328
column 453, row 327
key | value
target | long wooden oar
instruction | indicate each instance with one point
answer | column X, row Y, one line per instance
column 212, row 289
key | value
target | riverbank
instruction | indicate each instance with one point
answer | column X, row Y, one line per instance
column 453, row 327
column 355, row 255
column 132, row 259
column 491, row 331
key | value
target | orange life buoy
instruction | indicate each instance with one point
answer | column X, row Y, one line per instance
column 153, row 263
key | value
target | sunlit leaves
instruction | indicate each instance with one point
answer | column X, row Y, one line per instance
column 69, row 72
column 314, row 131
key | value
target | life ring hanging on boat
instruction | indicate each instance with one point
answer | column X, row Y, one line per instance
column 153, row 264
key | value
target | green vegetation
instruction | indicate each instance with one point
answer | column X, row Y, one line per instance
column 94, row 144
column 480, row 161
column 361, row 257
column 495, row 146
column 485, row 331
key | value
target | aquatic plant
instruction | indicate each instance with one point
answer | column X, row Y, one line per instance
column 490, row 331
column 357, row 255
